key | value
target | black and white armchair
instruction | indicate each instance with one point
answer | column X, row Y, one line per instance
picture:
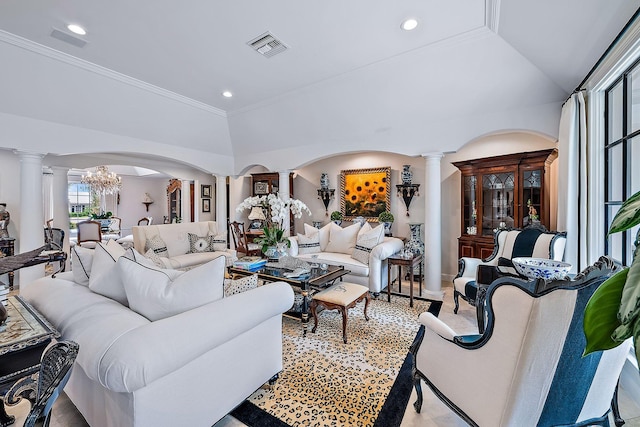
column 508, row 244
column 527, row 368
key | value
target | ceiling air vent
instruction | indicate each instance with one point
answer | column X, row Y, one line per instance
column 267, row 45
column 67, row 38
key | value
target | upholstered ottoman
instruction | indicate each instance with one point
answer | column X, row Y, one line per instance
column 342, row 296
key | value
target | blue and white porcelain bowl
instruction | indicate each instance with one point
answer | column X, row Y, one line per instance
column 541, row 268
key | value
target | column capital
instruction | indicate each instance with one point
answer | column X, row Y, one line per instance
column 29, row 155
column 433, row 155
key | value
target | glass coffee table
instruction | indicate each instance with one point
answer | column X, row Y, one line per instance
column 316, row 280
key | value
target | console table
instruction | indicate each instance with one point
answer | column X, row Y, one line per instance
column 9, row 264
column 25, row 336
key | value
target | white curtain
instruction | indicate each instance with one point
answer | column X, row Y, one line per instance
column 572, row 180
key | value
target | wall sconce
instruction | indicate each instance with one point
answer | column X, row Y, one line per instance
column 147, row 200
column 407, row 192
column 325, row 193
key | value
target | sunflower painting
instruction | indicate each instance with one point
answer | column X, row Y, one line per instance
column 365, row 192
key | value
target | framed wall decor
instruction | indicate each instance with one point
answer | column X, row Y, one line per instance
column 365, row 192
column 261, row 187
column 206, row 205
column 205, row 191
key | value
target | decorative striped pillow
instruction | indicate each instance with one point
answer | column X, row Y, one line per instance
column 366, row 242
column 158, row 245
column 308, row 244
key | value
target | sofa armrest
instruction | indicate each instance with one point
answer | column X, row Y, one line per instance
column 293, row 249
column 468, row 267
column 154, row 350
column 377, row 262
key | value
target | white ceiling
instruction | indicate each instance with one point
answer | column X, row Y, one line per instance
column 149, row 79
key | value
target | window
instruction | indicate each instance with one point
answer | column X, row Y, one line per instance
column 622, row 146
column 80, row 199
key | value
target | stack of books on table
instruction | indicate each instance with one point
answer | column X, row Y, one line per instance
column 250, row 263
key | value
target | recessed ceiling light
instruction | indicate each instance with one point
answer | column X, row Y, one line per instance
column 409, row 24
column 227, row 94
column 77, row 29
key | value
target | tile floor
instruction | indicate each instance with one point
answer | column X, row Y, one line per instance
column 434, row 413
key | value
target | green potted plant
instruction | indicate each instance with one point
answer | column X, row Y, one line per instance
column 336, row 216
column 387, row 219
column 612, row 314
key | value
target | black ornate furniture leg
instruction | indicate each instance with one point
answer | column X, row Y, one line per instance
column 273, row 379
column 455, row 300
column 617, row 419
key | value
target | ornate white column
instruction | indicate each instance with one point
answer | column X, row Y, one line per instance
column 433, row 226
column 221, row 201
column 61, row 203
column 31, row 214
column 185, row 196
column 285, row 191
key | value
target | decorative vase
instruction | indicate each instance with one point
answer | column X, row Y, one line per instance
column 415, row 243
column 360, row 220
column 274, row 253
column 337, row 221
column 3, row 314
column 324, row 181
column 406, row 174
column 317, row 224
column 387, row 228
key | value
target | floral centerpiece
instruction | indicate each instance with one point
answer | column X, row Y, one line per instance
column 276, row 210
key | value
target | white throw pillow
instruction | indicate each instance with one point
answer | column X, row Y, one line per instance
column 156, row 294
column 343, row 240
column 104, row 279
column 155, row 259
column 323, row 233
column 366, row 242
column 81, row 261
column 158, row 245
column 365, row 228
column 219, row 241
column 235, row 286
column 309, row 243
column 199, row 244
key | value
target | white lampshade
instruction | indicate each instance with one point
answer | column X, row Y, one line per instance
column 256, row 213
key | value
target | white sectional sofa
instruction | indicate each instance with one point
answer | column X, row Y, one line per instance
column 176, row 239
column 189, row 368
column 370, row 269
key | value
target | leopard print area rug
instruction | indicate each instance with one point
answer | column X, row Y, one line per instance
column 325, row 382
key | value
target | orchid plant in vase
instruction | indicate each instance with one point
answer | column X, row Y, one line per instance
column 276, row 210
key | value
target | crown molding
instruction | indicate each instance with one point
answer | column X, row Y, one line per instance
column 34, row 47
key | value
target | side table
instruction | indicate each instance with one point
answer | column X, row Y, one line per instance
column 410, row 264
column 27, row 333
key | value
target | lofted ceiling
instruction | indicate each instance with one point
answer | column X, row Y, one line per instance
column 151, row 75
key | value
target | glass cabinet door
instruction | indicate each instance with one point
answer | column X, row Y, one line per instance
column 532, row 196
column 497, row 202
column 469, row 208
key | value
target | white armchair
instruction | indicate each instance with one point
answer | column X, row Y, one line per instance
column 508, row 244
column 527, row 368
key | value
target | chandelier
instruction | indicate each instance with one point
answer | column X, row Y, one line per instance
column 103, row 181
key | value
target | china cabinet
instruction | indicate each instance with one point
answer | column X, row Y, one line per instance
column 502, row 192
column 174, row 200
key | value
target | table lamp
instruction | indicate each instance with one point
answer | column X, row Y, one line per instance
column 256, row 216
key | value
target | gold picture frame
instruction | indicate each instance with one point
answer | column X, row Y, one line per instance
column 365, row 192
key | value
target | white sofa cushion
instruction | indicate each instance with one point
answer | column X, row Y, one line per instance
column 356, row 267
column 160, row 293
column 309, row 243
column 366, row 242
column 104, row 279
column 323, row 233
column 157, row 245
column 81, row 261
column 343, row 240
